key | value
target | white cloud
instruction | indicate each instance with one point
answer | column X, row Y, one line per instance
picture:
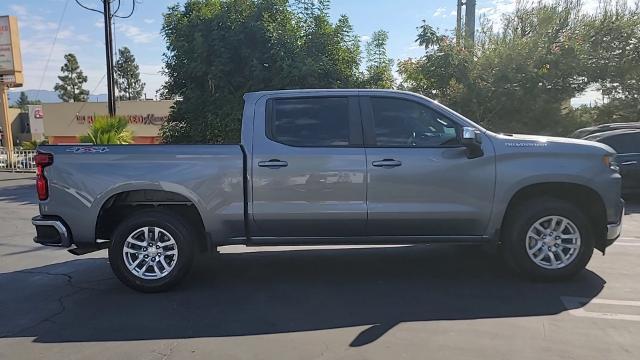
column 136, row 34
column 149, row 21
column 365, row 38
column 440, row 12
column 18, row 10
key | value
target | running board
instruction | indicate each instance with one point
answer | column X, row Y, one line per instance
column 87, row 250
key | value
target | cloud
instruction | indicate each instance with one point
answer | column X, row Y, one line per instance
column 136, row 34
column 149, row 21
column 18, row 10
column 365, row 38
column 440, row 12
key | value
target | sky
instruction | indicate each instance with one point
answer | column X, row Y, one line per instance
column 51, row 28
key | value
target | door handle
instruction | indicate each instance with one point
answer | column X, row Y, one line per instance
column 273, row 164
column 629, row 162
column 387, row 163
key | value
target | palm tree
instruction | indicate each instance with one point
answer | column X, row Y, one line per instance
column 108, row 130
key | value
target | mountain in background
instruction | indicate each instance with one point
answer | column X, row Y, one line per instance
column 48, row 96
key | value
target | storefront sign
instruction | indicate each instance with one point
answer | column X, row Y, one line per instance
column 10, row 60
column 36, row 123
column 149, row 119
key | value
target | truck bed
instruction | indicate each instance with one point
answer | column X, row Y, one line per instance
column 83, row 178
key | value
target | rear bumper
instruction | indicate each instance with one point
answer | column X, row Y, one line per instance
column 51, row 231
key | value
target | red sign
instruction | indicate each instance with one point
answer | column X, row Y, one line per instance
column 38, row 114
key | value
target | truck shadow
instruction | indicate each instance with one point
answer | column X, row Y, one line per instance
column 278, row 292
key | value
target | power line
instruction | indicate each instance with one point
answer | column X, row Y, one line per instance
column 108, row 16
column 46, row 64
column 85, row 103
column 87, row 8
column 133, row 8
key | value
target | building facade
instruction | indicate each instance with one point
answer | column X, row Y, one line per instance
column 64, row 123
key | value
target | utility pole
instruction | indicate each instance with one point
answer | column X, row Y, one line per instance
column 459, row 22
column 108, row 42
column 7, row 136
column 470, row 23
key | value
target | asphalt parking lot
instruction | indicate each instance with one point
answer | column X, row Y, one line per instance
column 414, row 302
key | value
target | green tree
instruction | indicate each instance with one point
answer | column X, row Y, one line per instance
column 127, row 73
column 219, row 49
column 522, row 77
column 611, row 56
column 108, row 130
column 69, row 88
column 23, row 102
column 518, row 79
column 379, row 71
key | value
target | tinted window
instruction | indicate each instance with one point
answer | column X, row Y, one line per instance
column 310, row 122
column 624, row 143
column 403, row 123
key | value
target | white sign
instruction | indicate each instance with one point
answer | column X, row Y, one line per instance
column 36, row 116
column 6, row 51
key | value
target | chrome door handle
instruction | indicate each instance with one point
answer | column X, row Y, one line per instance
column 273, row 164
column 629, row 163
column 387, row 163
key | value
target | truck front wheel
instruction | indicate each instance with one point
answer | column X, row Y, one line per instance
column 547, row 239
column 151, row 250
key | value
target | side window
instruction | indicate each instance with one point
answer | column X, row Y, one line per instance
column 404, row 123
column 322, row 121
column 624, row 143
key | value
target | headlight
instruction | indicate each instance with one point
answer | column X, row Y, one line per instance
column 610, row 162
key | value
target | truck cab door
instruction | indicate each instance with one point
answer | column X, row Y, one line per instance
column 422, row 181
column 308, row 168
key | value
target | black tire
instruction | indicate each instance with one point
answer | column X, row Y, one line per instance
column 523, row 217
column 168, row 221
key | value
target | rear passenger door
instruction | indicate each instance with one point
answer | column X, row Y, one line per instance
column 420, row 180
column 309, row 168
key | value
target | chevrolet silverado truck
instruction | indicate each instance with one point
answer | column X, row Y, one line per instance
column 333, row 167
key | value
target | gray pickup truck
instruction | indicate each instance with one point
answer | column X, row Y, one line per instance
column 329, row 167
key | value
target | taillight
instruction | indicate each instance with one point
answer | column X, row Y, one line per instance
column 42, row 160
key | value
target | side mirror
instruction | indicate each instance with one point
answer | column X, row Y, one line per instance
column 472, row 140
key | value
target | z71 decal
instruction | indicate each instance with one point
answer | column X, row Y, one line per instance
column 88, row 149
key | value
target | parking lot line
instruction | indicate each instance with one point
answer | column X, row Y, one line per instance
column 576, row 305
column 628, row 241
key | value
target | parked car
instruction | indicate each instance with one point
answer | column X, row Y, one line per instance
column 627, row 144
column 582, row 133
column 328, row 167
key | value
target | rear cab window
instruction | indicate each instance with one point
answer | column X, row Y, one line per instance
column 312, row 121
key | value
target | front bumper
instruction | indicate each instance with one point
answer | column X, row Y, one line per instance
column 51, row 231
column 613, row 231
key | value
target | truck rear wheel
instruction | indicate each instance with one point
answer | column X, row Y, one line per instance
column 152, row 250
column 548, row 239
